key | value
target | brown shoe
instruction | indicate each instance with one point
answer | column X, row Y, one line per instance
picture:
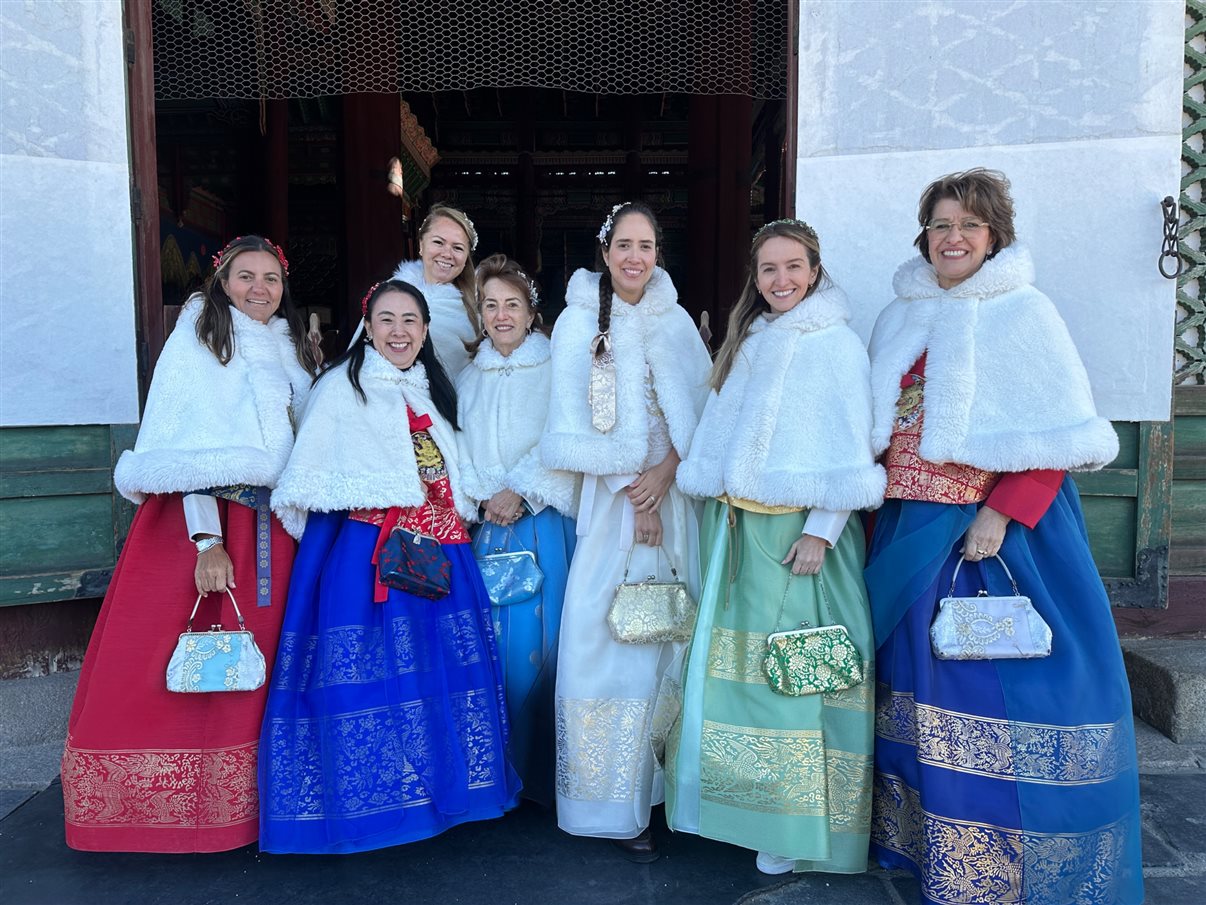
column 641, row 849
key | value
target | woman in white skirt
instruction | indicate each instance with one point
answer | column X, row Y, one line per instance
column 626, row 438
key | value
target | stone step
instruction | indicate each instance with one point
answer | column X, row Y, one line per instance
column 35, row 710
column 1168, row 685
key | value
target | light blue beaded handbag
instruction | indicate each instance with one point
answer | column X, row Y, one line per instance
column 216, row 660
column 510, row 577
column 988, row 627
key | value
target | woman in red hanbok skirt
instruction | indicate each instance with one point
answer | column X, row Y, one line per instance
column 145, row 769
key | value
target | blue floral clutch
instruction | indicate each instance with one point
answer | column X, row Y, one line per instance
column 987, row 627
column 217, row 660
column 510, row 577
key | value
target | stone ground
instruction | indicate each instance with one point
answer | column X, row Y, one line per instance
column 519, row 859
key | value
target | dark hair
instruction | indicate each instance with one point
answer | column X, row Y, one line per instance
column 982, row 192
column 618, row 213
column 214, row 328
column 465, row 281
column 500, row 267
column 750, row 303
column 443, row 393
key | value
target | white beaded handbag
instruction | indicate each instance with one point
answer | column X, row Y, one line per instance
column 988, row 627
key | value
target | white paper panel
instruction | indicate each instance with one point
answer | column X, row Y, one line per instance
column 67, row 343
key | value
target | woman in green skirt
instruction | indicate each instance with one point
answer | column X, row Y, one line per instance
column 783, row 453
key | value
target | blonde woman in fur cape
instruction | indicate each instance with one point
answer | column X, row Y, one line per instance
column 783, row 457
column 607, row 776
column 147, row 770
column 1008, row 780
column 503, row 397
column 444, row 274
column 385, row 723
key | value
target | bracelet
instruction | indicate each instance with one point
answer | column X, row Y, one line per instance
column 207, row 543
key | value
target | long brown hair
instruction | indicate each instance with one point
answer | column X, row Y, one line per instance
column 500, row 267
column 618, row 213
column 214, row 328
column 466, row 281
column 750, row 303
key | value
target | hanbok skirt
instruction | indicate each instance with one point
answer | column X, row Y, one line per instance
column 146, row 769
column 786, row 775
column 385, row 721
column 527, row 642
column 1002, row 781
column 607, row 774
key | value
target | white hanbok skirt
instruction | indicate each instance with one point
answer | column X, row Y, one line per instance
column 607, row 774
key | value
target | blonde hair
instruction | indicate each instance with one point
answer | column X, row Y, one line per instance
column 750, row 303
column 465, row 281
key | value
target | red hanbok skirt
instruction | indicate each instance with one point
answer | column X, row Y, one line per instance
column 146, row 769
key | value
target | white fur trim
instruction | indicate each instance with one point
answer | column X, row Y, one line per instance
column 450, row 325
column 653, row 335
column 792, row 424
column 1005, row 388
column 355, row 455
column 208, row 424
column 502, row 404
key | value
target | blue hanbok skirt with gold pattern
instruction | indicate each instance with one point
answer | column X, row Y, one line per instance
column 1002, row 781
column 385, row 722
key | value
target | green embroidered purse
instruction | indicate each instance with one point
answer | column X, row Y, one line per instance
column 811, row 659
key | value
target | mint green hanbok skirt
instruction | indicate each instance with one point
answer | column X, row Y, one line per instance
column 786, row 775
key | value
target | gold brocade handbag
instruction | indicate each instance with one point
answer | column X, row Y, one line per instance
column 811, row 659
column 651, row 611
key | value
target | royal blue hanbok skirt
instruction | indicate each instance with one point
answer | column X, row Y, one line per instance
column 527, row 643
column 1002, row 781
column 385, row 722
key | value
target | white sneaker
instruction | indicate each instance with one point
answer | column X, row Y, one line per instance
column 773, row 864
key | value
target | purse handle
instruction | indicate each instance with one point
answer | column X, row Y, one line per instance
column 192, row 615
column 488, row 533
column 660, row 552
column 983, row 582
column 804, row 622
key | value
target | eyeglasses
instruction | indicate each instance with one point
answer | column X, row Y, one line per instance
column 943, row 227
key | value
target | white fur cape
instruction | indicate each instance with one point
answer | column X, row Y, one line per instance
column 450, row 325
column 207, row 424
column 653, row 334
column 501, row 405
column 1005, row 389
column 792, row 424
column 355, row 455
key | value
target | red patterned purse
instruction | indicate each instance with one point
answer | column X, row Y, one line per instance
column 415, row 563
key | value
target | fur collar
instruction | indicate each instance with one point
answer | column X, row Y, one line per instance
column 207, row 424
column 412, row 272
column 377, row 367
column 533, row 351
column 824, row 308
column 660, row 295
column 1011, row 268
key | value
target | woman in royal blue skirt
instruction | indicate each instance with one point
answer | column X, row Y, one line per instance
column 385, row 720
column 996, row 780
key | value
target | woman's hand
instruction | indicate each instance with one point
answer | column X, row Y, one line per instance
column 650, row 488
column 214, row 571
column 504, row 508
column 806, row 555
column 983, row 539
column 648, row 529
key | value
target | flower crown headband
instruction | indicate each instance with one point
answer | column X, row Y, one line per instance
column 790, row 221
column 443, row 212
column 610, row 222
column 280, row 255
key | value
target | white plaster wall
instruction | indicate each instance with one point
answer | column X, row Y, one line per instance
column 1078, row 102
column 67, row 332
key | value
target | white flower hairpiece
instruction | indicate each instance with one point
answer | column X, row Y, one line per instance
column 609, row 222
column 533, row 292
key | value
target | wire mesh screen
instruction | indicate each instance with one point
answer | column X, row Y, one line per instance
column 309, row 48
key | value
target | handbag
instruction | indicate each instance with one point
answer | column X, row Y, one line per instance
column 651, row 611
column 811, row 659
column 414, row 562
column 216, row 660
column 510, row 577
column 988, row 627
